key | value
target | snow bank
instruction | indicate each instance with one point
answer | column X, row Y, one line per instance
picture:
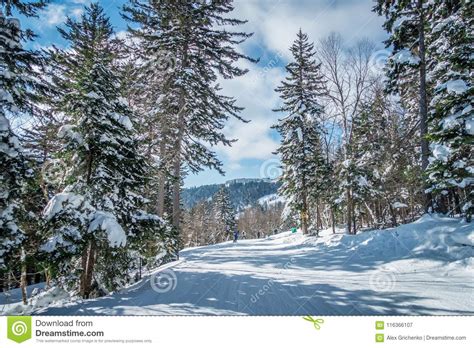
column 39, row 298
column 463, row 238
column 431, row 236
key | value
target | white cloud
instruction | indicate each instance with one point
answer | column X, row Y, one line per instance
column 77, row 12
column 275, row 24
column 54, row 14
column 254, row 91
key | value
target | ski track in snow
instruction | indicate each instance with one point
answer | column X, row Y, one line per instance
column 409, row 270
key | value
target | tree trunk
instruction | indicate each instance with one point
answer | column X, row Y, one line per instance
column 423, row 102
column 179, row 143
column 354, row 226
column 304, row 221
column 457, row 204
column 304, row 211
column 349, row 211
column 392, row 213
column 23, row 280
column 318, row 218
column 160, row 206
column 47, row 278
column 333, row 221
column 443, row 204
column 372, row 215
column 177, row 179
column 88, row 261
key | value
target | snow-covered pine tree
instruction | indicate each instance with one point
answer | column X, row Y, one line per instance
column 96, row 225
column 362, row 174
column 224, row 213
column 187, row 41
column 18, row 87
column 40, row 137
column 451, row 135
column 318, row 180
column 143, row 85
column 407, row 23
column 302, row 156
column 12, row 181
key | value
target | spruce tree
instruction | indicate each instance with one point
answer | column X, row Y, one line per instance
column 224, row 214
column 302, row 157
column 407, row 23
column 12, row 181
column 363, row 174
column 98, row 218
column 19, row 85
column 451, row 133
column 186, row 49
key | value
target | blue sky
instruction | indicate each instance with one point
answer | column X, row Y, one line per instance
column 274, row 24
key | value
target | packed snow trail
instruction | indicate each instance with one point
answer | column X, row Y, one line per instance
column 422, row 268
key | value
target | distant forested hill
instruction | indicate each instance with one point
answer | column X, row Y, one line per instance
column 243, row 192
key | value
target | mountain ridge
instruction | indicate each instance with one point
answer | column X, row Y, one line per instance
column 243, row 191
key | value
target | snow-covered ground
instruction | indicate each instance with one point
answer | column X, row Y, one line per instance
column 422, row 268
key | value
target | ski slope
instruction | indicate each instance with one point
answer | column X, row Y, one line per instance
column 422, row 268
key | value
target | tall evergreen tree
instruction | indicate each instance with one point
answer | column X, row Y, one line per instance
column 451, row 135
column 186, row 41
column 407, row 23
column 19, row 85
column 363, row 174
column 12, row 181
column 98, row 217
column 302, row 157
column 224, row 214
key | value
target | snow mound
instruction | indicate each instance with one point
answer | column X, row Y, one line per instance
column 431, row 237
column 40, row 299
